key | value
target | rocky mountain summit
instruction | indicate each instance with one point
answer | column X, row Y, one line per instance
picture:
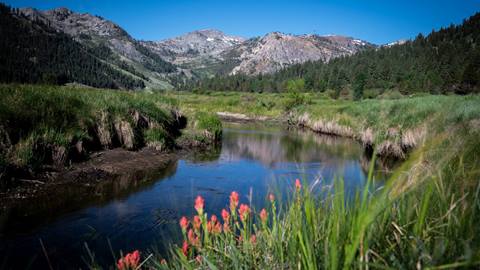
column 198, row 50
column 209, row 41
column 276, row 50
column 198, row 54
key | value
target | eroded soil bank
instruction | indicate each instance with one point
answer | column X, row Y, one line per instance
column 103, row 175
column 391, row 148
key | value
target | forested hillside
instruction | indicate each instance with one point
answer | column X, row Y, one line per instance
column 445, row 61
column 33, row 52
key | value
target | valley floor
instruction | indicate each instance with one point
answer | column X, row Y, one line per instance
column 426, row 215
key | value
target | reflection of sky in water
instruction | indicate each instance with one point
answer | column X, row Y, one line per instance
column 250, row 161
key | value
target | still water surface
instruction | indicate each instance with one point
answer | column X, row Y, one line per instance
column 143, row 214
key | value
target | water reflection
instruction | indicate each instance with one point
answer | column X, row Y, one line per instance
column 272, row 147
column 141, row 211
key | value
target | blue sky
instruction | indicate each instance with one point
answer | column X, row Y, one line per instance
column 375, row 21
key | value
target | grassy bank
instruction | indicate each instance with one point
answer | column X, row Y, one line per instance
column 393, row 125
column 53, row 126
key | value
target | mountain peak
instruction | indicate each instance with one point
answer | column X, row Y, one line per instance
column 61, row 10
column 209, row 32
column 199, row 42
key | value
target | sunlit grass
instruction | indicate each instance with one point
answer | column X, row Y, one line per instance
column 424, row 217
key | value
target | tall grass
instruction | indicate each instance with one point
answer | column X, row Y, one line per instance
column 35, row 118
column 424, row 217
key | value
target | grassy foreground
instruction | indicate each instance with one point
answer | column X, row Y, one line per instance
column 426, row 216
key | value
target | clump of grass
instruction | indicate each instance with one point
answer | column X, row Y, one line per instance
column 211, row 124
column 158, row 138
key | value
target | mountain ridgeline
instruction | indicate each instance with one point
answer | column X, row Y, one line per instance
column 445, row 61
column 33, row 52
column 59, row 45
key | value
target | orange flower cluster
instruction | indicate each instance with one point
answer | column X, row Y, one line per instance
column 201, row 231
column 129, row 261
column 244, row 212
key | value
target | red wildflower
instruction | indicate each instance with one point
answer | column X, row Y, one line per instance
column 163, row 262
column 214, row 219
column 185, row 248
column 271, row 197
column 244, row 212
column 130, row 261
column 253, row 239
column 218, row 228
column 298, row 185
column 226, row 228
column 234, row 197
column 192, row 238
column 225, row 216
column 210, row 226
column 197, row 222
column 184, row 223
column 199, row 204
column 263, row 215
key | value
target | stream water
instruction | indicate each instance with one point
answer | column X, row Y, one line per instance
column 254, row 160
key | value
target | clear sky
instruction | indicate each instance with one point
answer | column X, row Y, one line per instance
column 379, row 21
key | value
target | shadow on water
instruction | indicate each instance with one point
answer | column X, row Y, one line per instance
column 138, row 211
column 68, row 198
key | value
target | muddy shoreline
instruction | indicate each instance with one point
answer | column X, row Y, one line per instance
column 110, row 167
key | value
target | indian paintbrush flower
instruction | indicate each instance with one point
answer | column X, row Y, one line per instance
column 193, row 238
column 214, row 219
column 298, row 185
column 234, row 198
column 185, row 248
column 129, row 261
column 263, row 215
column 199, row 204
column 184, row 224
column 244, row 212
column 197, row 222
column 225, row 216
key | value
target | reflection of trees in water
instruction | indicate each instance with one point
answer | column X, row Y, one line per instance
column 207, row 155
column 67, row 198
column 298, row 146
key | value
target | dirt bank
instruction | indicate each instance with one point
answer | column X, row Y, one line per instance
column 104, row 166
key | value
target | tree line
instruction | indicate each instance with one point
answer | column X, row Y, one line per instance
column 33, row 52
column 445, row 61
